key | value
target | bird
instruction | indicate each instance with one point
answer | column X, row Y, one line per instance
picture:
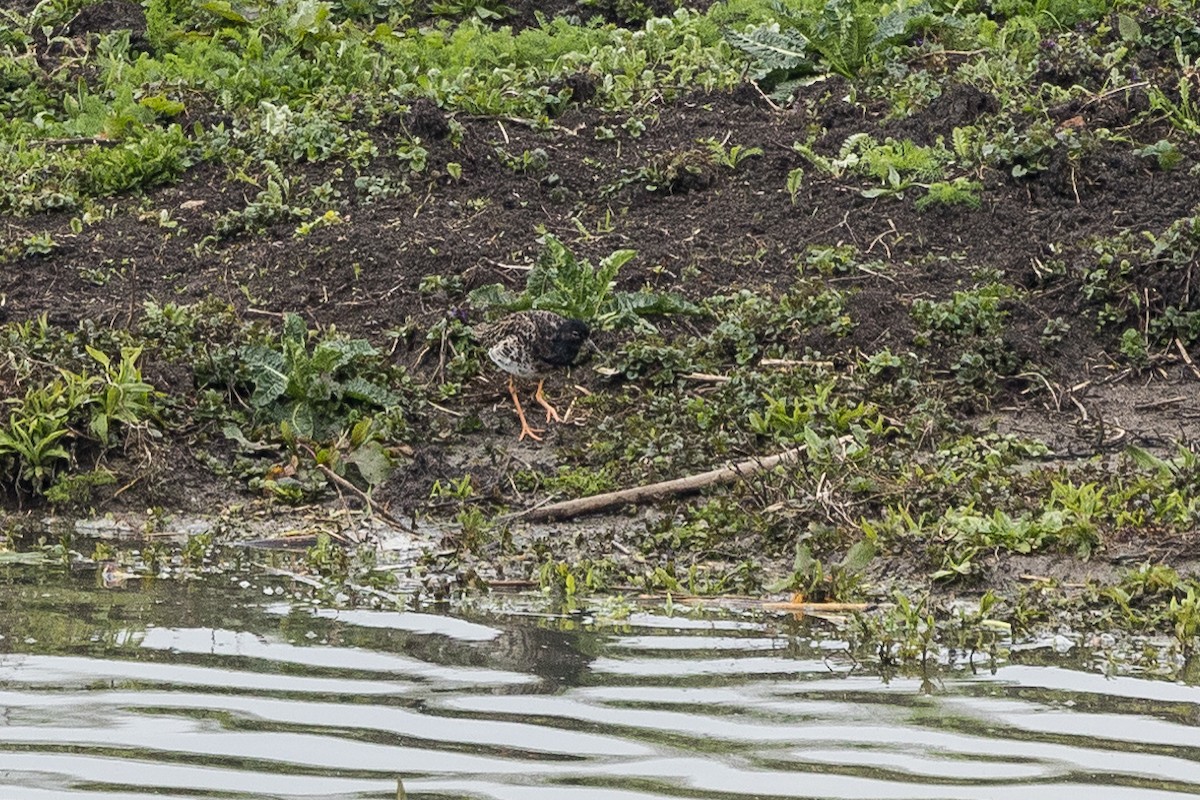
column 527, row 343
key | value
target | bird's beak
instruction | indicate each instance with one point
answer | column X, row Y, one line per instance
column 591, row 346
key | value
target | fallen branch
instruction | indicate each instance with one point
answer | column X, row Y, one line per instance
column 307, row 580
column 811, row 607
column 655, row 491
column 511, row 584
column 75, row 141
column 794, row 362
column 374, row 507
column 1168, row 401
column 1187, row 359
column 533, row 124
column 705, row 377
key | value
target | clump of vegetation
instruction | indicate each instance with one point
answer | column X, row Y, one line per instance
column 839, row 36
column 58, row 422
column 683, row 171
column 317, row 389
column 970, row 329
column 573, row 287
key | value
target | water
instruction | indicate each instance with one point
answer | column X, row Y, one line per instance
column 217, row 689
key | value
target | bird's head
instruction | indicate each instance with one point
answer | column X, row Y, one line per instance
column 570, row 337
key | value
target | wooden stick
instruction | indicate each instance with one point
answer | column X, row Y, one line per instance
column 705, row 377
column 792, row 362
column 1187, row 359
column 654, row 491
column 1169, row 401
column 766, row 98
column 817, row 606
column 366, row 498
column 77, row 140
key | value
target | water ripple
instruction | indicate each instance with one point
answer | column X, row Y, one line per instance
column 170, row 697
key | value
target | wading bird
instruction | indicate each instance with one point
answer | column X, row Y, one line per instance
column 527, row 343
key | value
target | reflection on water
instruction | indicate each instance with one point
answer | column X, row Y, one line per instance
column 219, row 689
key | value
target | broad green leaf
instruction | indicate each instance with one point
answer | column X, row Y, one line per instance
column 99, row 355
column 496, row 295
column 857, row 558
column 302, row 419
column 99, row 427
column 361, row 389
column 1147, row 460
column 294, row 328
column 266, row 368
column 1129, row 28
column 372, row 462
column 225, row 11
column 803, row 565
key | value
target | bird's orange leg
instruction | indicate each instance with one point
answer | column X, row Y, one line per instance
column 551, row 413
column 532, row 433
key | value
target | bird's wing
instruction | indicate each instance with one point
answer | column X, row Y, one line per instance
column 506, row 354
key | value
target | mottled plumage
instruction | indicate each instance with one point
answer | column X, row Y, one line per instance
column 528, row 343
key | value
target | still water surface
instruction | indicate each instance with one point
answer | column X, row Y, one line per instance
column 217, row 689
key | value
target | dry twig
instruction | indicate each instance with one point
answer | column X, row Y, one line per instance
column 655, row 491
column 375, row 508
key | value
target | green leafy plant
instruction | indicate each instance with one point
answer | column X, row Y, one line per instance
column 413, row 154
column 1184, row 112
column 317, row 390
column 1082, row 508
column 1164, row 152
column 122, row 396
column 1184, row 614
column 671, row 172
column 46, row 425
column 269, row 207
column 732, row 156
column 628, row 11
column 842, row 36
column 1060, row 14
column 971, row 327
column 573, row 287
column 958, row 192
column 488, row 10
column 904, row 633
column 40, row 244
column 30, row 443
column 895, row 165
column 841, row 581
column 795, row 180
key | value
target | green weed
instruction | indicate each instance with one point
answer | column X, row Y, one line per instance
column 838, row 582
column 316, row 389
column 895, row 166
column 970, row 326
column 958, row 192
column 573, row 287
column 1165, row 154
column 841, row 36
column 1184, row 614
column 1182, row 111
column 47, row 425
column 730, row 157
column 270, row 206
